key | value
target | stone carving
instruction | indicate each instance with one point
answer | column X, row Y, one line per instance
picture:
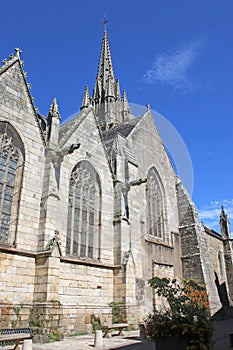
column 58, row 155
column 7, row 148
column 53, row 242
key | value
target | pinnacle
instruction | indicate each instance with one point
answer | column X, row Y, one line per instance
column 86, row 98
column 53, row 111
column 125, row 103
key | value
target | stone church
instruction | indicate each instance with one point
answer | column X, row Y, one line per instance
column 92, row 208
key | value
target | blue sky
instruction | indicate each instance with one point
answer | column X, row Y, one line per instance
column 175, row 54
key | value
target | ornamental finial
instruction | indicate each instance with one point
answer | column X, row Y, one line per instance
column 17, row 52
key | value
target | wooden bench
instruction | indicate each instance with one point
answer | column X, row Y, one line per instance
column 15, row 335
column 119, row 326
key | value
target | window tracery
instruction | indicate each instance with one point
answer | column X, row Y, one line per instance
column 84, row 212
column 155, row 205
column 11, row 170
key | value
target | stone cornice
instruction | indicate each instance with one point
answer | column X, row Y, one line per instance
column 93, row 263
column 70, row 260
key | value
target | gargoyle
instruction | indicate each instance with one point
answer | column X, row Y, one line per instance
column 125, row 188
column 58, row 155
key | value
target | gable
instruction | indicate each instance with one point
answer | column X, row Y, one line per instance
column 84, row 130
column 145, row 138
column 16, row 104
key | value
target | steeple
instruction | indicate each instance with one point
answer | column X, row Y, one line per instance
column 110, row 110
column 105, row 69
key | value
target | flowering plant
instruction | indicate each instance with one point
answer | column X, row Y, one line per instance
column 188, row 313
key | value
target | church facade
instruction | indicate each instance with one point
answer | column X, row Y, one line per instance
column 91, row 209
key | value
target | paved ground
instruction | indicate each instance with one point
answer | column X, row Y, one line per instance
column 132, row 341
column 86, row 342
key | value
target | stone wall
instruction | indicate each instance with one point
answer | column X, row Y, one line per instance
column 196, row 252
column 17, row 278
column 85, row 290
column 16, row 107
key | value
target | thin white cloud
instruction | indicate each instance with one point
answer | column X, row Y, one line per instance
column 210, row 213
column 172, row 68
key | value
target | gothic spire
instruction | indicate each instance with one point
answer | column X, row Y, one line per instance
column 109, row 108
column 105, row 69
column 86, row 99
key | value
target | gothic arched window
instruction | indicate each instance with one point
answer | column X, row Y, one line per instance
column 155, row 205
column 84, row 212
column 11, row 171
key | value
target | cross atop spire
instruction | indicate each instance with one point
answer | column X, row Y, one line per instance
column 105, row 23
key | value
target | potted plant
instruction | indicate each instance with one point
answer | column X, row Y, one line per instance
column 185, row 324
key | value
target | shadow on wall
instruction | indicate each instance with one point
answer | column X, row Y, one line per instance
column 226, row 310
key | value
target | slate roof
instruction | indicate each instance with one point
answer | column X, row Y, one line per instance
column 123, row 129
column 212, row 232
column 70, row 125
